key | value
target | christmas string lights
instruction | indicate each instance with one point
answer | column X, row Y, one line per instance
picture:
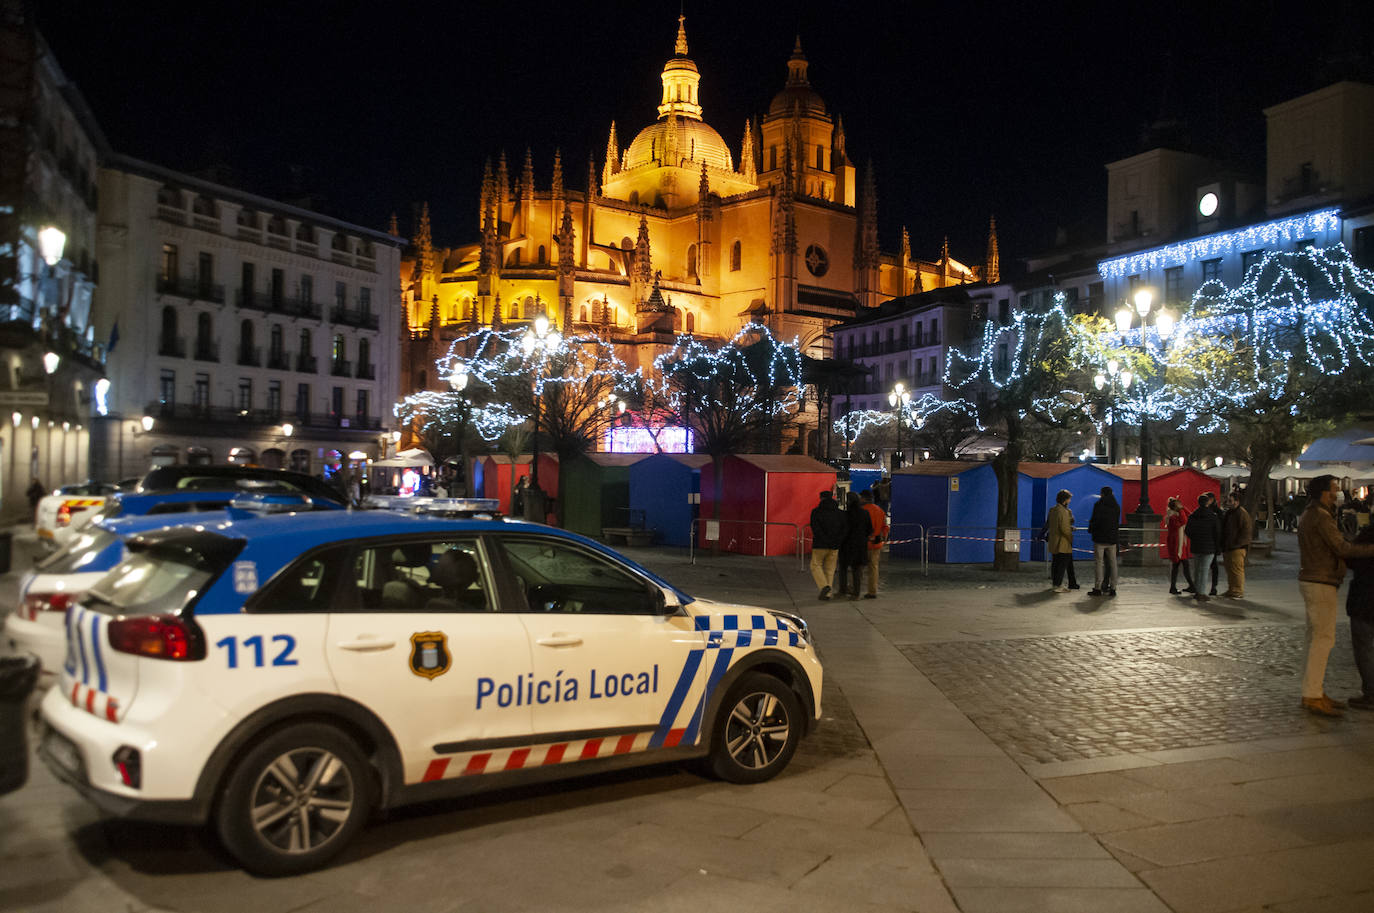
column 1290, row 230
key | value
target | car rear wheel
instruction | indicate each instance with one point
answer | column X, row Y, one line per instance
column 294, row 800
column 756, row 731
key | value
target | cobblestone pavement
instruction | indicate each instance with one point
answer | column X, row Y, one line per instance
column 1079, row 696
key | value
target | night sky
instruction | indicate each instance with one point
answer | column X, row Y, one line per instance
column 965, row 109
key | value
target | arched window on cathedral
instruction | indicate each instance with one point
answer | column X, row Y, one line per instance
column 529, row 308
column 734, row 257
column 582, row 314
column 691, row 322
column 691, row 261
column 820, row 156
column 467, row 308
column 514, row 257
column 772, row 158
column 543, row 255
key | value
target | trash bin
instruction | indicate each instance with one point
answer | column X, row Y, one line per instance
column 6, row 541
column 18, row 674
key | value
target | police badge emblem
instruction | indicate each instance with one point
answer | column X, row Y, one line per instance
column 429, row 656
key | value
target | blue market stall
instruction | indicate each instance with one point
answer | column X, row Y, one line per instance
column 955, row 503
column 1085, row 482
column 863, row 477
column 665, row 494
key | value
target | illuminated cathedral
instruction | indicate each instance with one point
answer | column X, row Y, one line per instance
column 674, row 233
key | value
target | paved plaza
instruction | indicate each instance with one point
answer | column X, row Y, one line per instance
column 987, row 746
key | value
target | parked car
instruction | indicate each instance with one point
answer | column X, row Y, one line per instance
column 282, row 678
column 67, row 510
column 59, row 580
column 181, row 477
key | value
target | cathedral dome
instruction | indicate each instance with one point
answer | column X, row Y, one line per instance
column 798, row 91
column 687, row 138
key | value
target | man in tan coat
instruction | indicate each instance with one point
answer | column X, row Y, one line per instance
column 1323, row 552
column 1235, row 544
column 1059, row 536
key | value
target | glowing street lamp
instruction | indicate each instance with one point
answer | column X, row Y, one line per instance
column 539, row 338
column 51, row 242
column 899, row 399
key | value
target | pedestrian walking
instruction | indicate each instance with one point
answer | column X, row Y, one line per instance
column 1204, row 538
column 854, row 548
column 827, row 534
column 878, row 517
column 1215, row 510
column 1104, row 528
column 1359, row 605
column 1176, row 546
column 1059, row 530
column 1236, row 532
column 35, row 493
column 1322, row 553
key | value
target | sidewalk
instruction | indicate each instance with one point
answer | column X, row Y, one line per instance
column 1065, row 753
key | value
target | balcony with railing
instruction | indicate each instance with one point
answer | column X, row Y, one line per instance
column 354, row 317
column 278, row 360
column 207, row 350
column 190, row 287
column 250, row 356
column 307, row 364
column 341, row 367
column 367, row 372
column 172, row 346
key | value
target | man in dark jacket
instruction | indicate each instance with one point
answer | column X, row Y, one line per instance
column 1204, row 537
column 827, row 533
column 1215, row 508
column 1359, row 605
column 1236, row 530
column 1103, row 527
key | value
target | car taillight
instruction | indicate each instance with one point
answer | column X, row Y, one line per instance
column 64, row 514
column 46, row 602
column 158, row 637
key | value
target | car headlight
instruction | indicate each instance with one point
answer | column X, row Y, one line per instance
column 795, row 621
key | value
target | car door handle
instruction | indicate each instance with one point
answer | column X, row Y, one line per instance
column 366, row 645
column 559, row 640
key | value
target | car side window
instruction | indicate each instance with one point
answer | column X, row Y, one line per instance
column 563, row 577
column 306, row 586
column 446, row 575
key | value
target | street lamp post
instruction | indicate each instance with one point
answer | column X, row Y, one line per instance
column 542, row 340
column 1144, row 522
column 898, row 399
column 1113, row 380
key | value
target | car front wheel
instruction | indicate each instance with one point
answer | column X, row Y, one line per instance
column 294, row 800
column 756, row 731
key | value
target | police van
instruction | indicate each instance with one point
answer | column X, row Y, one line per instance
column 281, row 678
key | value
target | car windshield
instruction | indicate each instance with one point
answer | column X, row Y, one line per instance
column 80, row 552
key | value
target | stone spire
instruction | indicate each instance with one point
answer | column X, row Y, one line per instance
column 612, row 157
column 992, row 267
column 866, row 256
column 837, row 150
column 680, row 48
column 703, row 195
column 906, row 245
column 502, row 183
column 747, row 158
column 487, row 260
column 796, row 66
column 592, row 189
column 557, row 183
column 565, row 240
column 496, row 319
column 527, row 177
column 424, row 241
column 642, row 273
column 488, row 192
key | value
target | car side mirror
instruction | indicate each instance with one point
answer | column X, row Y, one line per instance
column 663, row 605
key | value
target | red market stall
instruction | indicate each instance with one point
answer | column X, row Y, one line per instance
column 1182, row 482
column 767, row 501
column 500, row 473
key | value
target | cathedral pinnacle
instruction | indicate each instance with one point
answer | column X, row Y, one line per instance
column 527, row 176
column 557, row 185
column 748, row 163
column 612, row 157
column 592, row 189
column 424, row 242
column 796, row 66
column 992, row 268
column 680, row 49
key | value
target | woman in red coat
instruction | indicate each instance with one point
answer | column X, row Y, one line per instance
column 1176, row 545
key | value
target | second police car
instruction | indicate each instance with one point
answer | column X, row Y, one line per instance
column 281, row 678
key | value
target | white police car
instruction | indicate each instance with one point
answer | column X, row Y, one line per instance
column 282, row 677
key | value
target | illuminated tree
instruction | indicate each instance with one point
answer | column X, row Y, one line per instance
column 734, row 396
column 1275, row 361
column 1019, row 379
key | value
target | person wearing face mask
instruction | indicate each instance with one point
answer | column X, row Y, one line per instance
column 1323, row 551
